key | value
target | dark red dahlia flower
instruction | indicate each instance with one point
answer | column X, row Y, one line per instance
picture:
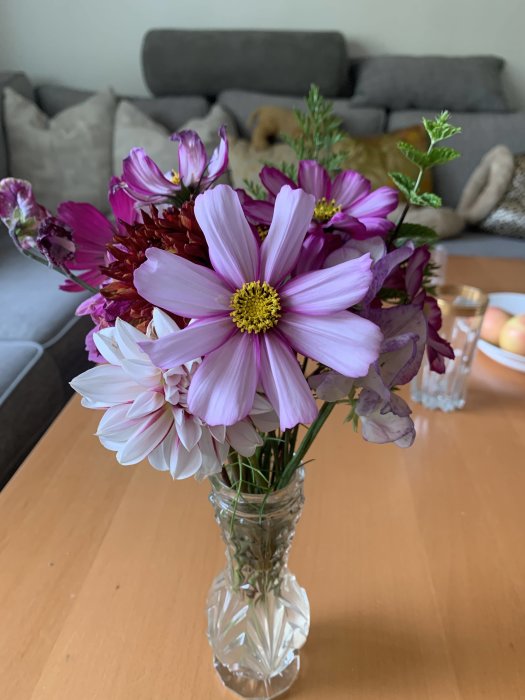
column 172, row 229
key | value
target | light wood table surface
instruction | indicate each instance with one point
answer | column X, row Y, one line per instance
column 414, row 560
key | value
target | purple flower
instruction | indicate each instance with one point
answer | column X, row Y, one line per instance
column 20, row 211
column 55, row 241
column 410, row 279
column 384, row 415
column 251, row 317
column 346, row 204
column 145, row 181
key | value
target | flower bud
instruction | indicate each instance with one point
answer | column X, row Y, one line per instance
column 55, row 241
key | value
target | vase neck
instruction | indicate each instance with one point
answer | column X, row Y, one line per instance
column 258, row 531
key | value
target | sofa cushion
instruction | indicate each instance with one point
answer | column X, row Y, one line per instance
column 134, row 128
column 31, row 395
column 479, row 133
column 178, row 62
column 242, row 104
column 473, row 243
column 466, row 84
column 65, row 157
column 170, row 112
column 18, row 82
column 35, row 309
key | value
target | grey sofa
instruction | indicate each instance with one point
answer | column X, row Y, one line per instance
column 42, row 342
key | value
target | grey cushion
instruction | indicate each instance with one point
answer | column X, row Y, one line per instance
column 482, row 244
column 35, row 309
column 20, row 83
column 178, row 62
column 171, row 112
column 67, row 156
column 357, row 121
column 480, row 133
column 31, row 394
column 466, row 84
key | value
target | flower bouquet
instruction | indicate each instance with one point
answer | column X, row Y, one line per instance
column 226, row 320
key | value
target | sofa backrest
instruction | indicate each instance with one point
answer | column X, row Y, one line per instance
column 182, row 62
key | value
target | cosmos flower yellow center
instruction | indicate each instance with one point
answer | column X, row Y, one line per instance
column 175, row 177
column 325, row 209
column 256, row 307
column 262, row 231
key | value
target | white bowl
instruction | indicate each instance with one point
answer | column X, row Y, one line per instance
column 513, row 303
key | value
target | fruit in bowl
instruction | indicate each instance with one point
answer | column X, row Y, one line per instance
column 502, row 336
column 493, row 322
column 512, row 335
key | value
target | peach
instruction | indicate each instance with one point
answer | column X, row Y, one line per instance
column 493, row 322
column 512, row 336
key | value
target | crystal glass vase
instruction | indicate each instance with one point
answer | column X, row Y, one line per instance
column 258, row 615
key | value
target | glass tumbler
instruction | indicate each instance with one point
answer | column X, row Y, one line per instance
column 462, row 308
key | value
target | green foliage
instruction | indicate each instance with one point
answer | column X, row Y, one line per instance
column 419, row 235
column 404, row 183
column 255, row 189
column 320, row 133
column 437, row 129
column 425, row 199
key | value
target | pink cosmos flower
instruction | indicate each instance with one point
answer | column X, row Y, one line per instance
column 251, row 317
column 346, row 203
column 146, row 413
column 145, row 181
column 92, row 231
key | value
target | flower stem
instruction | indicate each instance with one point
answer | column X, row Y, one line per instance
column 306, row 443
column 62, row 270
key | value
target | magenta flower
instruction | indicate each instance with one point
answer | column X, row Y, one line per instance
column 92, row 232
column 145, row 181
column 346, row 203
column 251, row 317
column 55, row 241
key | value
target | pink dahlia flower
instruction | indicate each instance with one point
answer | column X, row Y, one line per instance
column 92, row 232
column 145, row 181
column 146, row 410
column 251, row 317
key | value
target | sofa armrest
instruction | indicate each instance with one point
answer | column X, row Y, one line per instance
column 17, row 81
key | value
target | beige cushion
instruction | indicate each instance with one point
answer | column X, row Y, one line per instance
column 246, row 162
column 445, row 221
column 65, row 157
column 487, row 184
column 134, row 129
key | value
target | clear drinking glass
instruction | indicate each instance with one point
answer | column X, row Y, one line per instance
column 462, row 308
column 258, row 615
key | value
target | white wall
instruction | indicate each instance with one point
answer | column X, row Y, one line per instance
column 96, row 43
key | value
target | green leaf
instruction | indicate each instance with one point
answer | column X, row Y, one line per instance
column 419, row 235
column 413, row 154
column 435, row 156
column 439, row 129
column 425, row 199
column 255, row 189
column 404, row 183
column 320, row 132
column 440, row 155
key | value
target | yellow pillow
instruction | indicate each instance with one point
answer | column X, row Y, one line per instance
column 376, row 156
column 372, row 156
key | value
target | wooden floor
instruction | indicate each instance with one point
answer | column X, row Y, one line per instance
column 414, row 560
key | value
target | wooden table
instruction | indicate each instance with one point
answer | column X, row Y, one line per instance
column 414, row 560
